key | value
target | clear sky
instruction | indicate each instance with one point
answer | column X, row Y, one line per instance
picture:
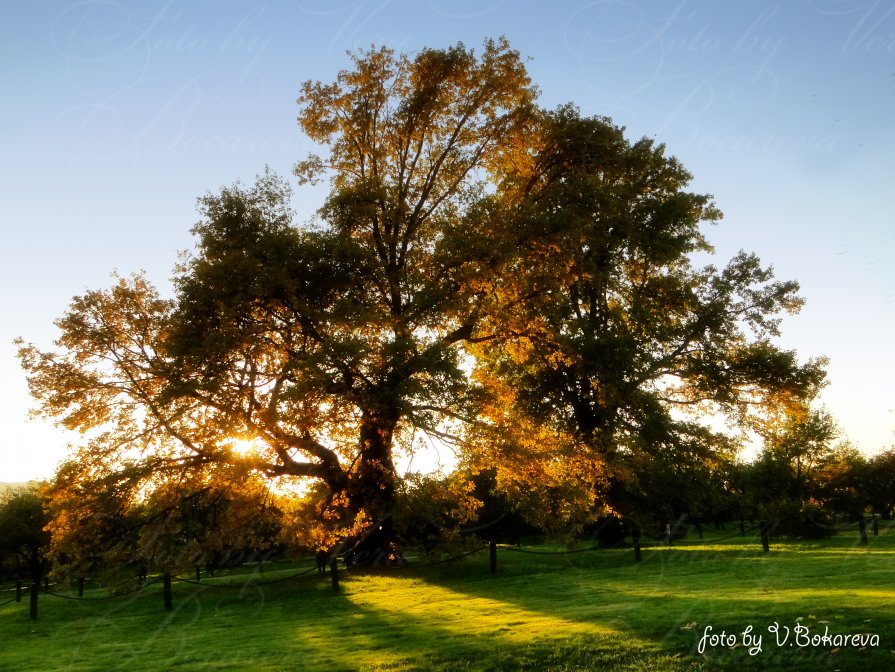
column 116, row 116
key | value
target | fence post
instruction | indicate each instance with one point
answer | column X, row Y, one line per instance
column 198, row 574
column 492, row 556
column 862, row 527
column 166, row 589
column 18, row 591
column 80, row 586
column 334, row 574
column 875, row 525
column 32, row 611
column 635, row 537
column 765, row 536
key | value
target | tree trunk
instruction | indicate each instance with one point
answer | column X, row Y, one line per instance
column 372, row 485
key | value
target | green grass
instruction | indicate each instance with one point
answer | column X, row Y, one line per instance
column 570, row 611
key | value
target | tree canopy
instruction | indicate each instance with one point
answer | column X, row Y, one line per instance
column 608, row 334
column 515, row 281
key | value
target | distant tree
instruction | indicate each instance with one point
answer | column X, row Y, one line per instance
column 842, row 481
column 691, row 482
column 803, row 442
column 784, row 485
column 880, row 484
column 23, row 518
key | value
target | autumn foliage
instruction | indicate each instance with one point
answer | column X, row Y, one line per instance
column 517, row 283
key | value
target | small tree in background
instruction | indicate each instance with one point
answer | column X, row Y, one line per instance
column 880, row 484
column 23, row 535
column 783, row 485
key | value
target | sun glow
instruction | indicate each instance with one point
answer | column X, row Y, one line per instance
column 243, row 446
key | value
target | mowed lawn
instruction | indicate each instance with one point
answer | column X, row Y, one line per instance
column 592, row 610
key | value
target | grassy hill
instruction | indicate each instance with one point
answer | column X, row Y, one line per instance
column 592, row 610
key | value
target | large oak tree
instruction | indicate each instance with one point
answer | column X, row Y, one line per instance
column 465, row 229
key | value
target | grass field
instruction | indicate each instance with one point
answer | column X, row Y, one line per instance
column 595, row 610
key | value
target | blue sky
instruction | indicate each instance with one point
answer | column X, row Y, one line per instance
column 116, row 116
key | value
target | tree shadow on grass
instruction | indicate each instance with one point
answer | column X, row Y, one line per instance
column 375, row 623
column 670, row 599
column 581, row 611
column 394, row 621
